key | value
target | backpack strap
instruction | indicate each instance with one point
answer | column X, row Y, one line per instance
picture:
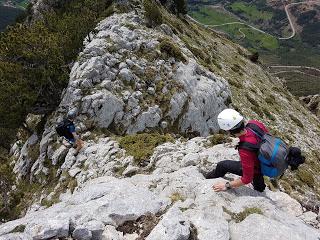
column 256, row 130
column 248, row 146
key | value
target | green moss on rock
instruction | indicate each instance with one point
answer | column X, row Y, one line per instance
column 306, row 177
column 171, row 49
column 141, row 146
column 239, row 217
column 176, row 196
column 219, row 138
column 296, row 120
column 152, row 13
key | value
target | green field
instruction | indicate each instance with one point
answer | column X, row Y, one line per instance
column 303, row 49
column 253, row 39
column 301, row 84
column 210, row 16
column 250, row 11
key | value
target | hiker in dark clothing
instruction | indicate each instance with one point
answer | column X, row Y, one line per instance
column 249, row 166
column 67, row 129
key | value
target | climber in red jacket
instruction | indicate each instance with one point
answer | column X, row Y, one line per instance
column 248, row 167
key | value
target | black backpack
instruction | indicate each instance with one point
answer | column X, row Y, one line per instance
column 63, row 129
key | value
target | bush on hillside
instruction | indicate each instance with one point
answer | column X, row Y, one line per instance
column 152, row 13
column 171, row 49
column 181, row 6
column 141, row 146
column 34, row 59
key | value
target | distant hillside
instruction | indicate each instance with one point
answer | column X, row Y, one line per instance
column 275, row 46
column 10, row 10
column 8, row 16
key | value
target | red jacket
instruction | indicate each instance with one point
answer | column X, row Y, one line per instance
column 249, row 160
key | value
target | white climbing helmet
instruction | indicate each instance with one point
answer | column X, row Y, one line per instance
column 228, row 119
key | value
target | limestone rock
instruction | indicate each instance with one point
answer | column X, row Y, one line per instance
column 110, row 232
column 82, row 233
column 48, row 229
column 173, row 226
column 16, row 236
column 260, row 227
column 59, row 154
column 23, row 164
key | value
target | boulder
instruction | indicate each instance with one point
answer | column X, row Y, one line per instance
column 173, row 226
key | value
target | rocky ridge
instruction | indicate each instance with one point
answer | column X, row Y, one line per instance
column 127, row 81
column 181, row 202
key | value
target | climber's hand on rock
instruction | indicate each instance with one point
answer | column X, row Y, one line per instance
column 219, row 187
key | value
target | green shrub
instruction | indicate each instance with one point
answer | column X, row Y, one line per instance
column 268, row 114
column 306, row 177
column 171, row 49
column 152, row 13
column 296, row 120
column 141, row 146
column 270, row 99
column 254, row 57
column 35, row 57
column 252, row 100
column 219, row 138
column 237, row 68
column 181, row 6
column 257, row 110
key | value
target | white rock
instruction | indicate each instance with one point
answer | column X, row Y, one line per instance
column 23, row 164
column 59, row 154
column 173, row 226
column 48, row 229
column 126, row 75
column 309, row 218
column 151, row 90
column 130, row 170
column 190, row 159
column 260, row 227
column 110, row 232
column 16, row 236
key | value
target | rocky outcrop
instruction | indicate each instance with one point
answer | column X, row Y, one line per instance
column 124, row 83
column 313, row 103
column 101, row 208
column 122, row 77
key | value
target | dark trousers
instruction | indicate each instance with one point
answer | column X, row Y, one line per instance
column 228, row 166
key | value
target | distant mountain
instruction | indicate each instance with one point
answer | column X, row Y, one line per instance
column 273, row 37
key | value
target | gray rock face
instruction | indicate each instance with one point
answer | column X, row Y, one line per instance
column 260, row 227
column 100, row 76
column 82, row 233
column 174, row 188
column 208, row 97
column 118, row 83
column 173, row 226
column 16, row 236
column 23, row 164
column 48, row 229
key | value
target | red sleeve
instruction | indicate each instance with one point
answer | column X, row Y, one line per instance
column 247, row 161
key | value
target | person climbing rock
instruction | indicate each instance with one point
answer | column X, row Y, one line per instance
column 67, row 129
column 249, row 166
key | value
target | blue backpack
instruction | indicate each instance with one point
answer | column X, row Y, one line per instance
column 272, row 152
